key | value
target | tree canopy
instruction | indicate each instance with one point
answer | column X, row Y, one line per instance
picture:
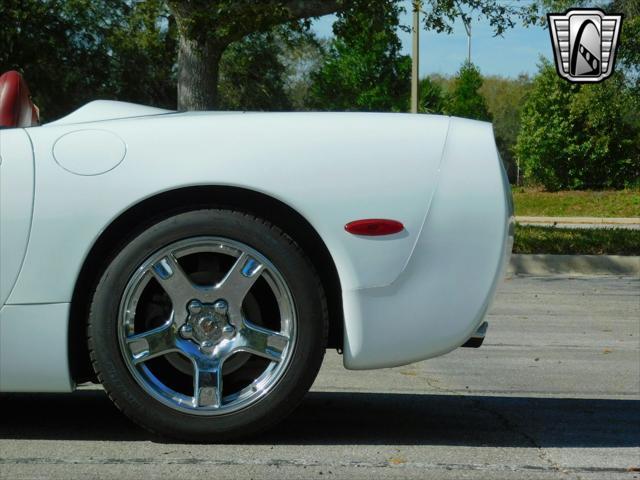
column 255, row 73
column 580, row 136
column 431, row 96
column 504, row 98
column 207, row 27
column 465, row 100
column 74, row 51
column 363, row 69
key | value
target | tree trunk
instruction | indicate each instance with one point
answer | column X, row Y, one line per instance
column 198, row 70
column 199, row 56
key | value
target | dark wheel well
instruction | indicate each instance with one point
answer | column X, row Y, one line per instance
column 153, row 209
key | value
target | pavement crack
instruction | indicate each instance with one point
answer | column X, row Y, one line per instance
column 507, row 425
column 530, row 439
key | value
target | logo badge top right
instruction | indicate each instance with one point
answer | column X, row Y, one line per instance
column 584, row 44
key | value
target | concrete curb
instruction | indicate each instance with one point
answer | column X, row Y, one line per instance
column 579, row 220
column 574, row 265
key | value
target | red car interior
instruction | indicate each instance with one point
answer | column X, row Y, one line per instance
column 16, row 107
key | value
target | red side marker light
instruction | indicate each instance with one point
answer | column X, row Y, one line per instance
column 374, row 227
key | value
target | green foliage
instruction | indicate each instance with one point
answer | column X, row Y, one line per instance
column 268, row 71
column 580, row 137
column 225, row 21
column 364, row 69
column 301, row 59
column 221, row 22
column 141, row 46
column 431, row 96
column 440, row 15
column 207, row 27
column 504, row 98
column 252, row 74
column 577, row 203
column 75, row 51
column 629, row 49
column 465, row 99
column 628, row 57
column 576, row 241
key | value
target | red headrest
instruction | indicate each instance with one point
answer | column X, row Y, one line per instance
column 16, row 108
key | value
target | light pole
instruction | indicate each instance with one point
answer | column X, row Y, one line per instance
column 467, row 27
column 414, row 56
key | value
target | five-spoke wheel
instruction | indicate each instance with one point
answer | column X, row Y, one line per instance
column 207, row 323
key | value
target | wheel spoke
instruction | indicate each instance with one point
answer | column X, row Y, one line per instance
column 239, row 280
column 151, row 344
column 207, row 384
column 173, row 280
column 263, row 342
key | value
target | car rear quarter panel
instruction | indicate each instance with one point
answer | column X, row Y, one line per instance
column 331, row 168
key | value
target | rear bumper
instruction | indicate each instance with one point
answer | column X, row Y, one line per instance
column 440, row 299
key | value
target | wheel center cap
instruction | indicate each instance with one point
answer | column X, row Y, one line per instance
column 207, row 323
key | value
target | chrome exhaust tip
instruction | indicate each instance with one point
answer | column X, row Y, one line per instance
column 478, row 337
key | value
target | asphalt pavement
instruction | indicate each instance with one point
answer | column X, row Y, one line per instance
column 553, row 393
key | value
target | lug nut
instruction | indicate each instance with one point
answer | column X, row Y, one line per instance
column 220, row 307
column 194, row 307
column 186, row 331
column 228, row 331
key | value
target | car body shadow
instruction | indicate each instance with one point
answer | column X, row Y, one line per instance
column 334, row 418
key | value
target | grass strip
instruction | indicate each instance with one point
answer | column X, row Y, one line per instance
column 608, row 203
column 576, row 241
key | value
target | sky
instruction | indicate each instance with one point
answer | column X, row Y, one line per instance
column 517, row 51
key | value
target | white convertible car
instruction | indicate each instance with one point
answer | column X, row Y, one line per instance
column 198, row 265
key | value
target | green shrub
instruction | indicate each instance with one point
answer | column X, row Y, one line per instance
column 580, row 136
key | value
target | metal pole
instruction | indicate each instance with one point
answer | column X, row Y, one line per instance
column 469, row 42
column 467, row 28
column 414, row 57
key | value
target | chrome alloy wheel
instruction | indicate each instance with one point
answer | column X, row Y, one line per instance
column 188, row 334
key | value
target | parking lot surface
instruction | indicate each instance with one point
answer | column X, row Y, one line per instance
column 553, row 393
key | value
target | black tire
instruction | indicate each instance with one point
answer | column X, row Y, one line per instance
column 309, row 301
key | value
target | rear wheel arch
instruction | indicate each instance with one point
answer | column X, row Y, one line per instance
column 160, row 206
